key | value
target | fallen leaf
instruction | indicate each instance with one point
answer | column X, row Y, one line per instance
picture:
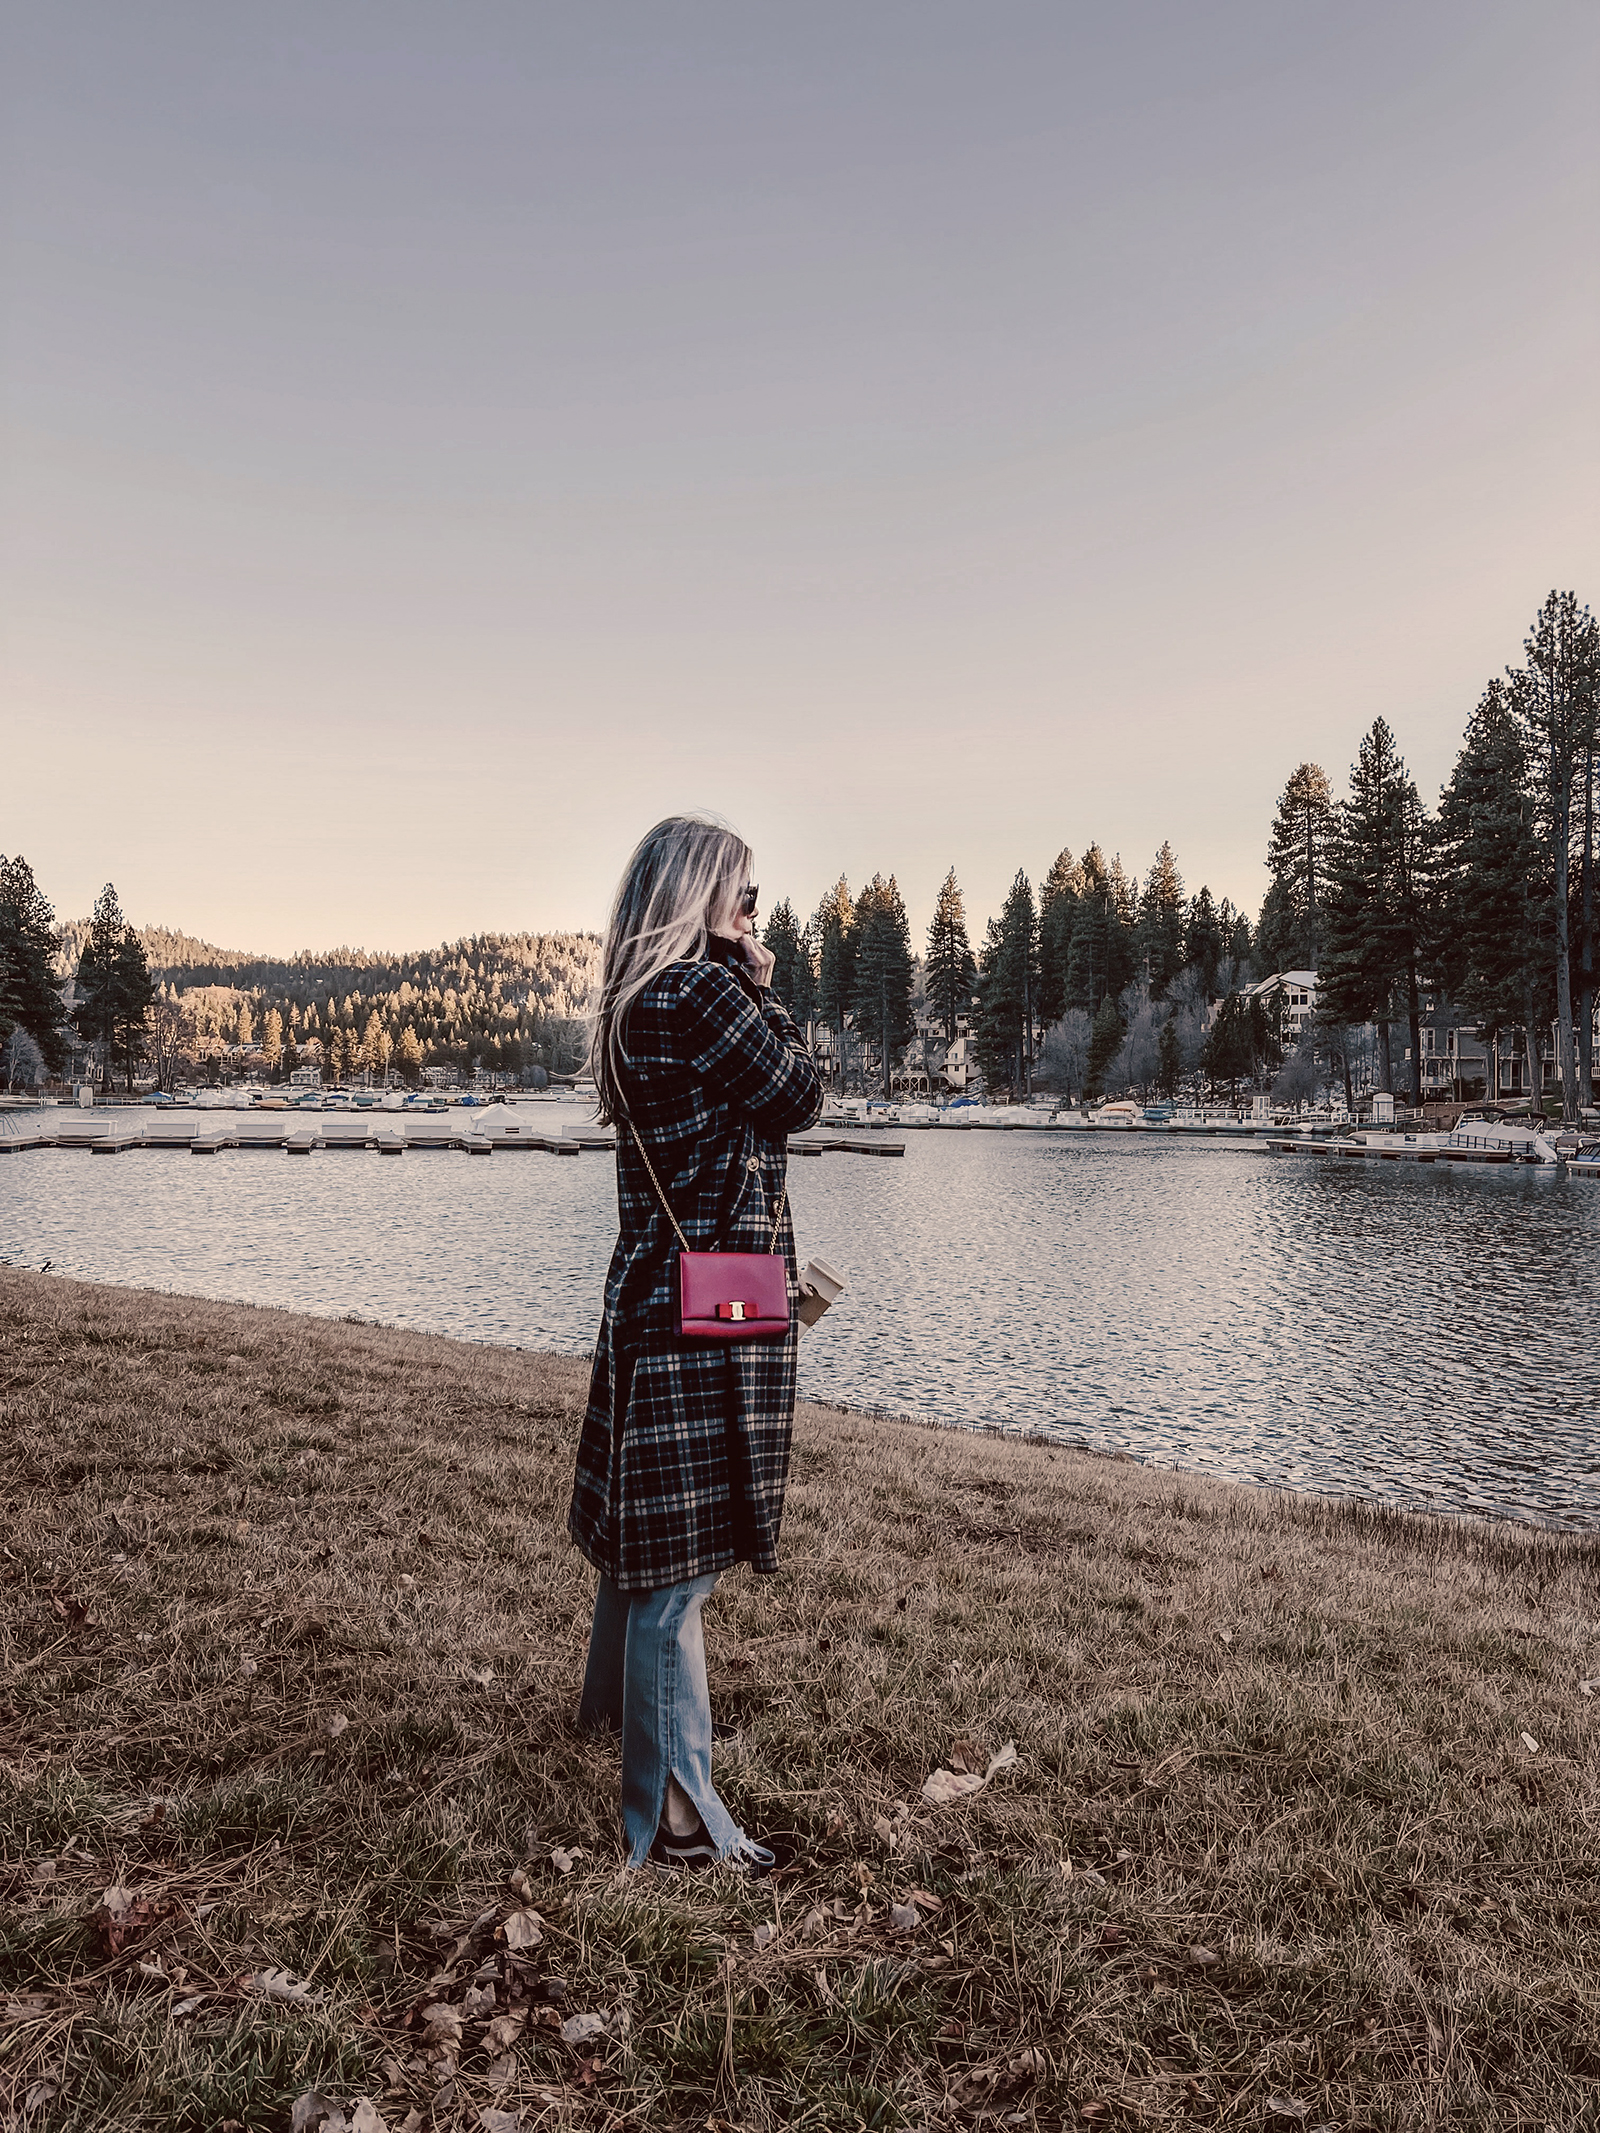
column 765, row 1934
column 923, row 1900
column 333, row 1726
column 1287, row 2107
column 524, row 1929
column 1224, row 1636
column 441, row 2023
column 966, row 1757
column 814, row 1925
column 1205, row 1957
column 313, row 2112
column 483, row 1678
column 945, row 1787
column 281, row 1985
column 477, row 2003
column 365, row 2117
column 579, row 2028
column 493, row 2120
column 180, row 2008
column 563, row 1861
column 505, row 2029
column 903, row 1918
column 520, row 1885
column 1530, row 1744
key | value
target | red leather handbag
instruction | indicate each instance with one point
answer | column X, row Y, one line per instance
column 727, row 1296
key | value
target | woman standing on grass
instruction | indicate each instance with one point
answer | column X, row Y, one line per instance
column 685, row 1447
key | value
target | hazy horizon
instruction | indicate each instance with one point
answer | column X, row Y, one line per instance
column 442, row 441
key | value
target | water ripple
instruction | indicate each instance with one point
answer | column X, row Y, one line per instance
column 1419, row 1334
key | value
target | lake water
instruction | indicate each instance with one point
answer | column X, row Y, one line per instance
column 1425, row 1335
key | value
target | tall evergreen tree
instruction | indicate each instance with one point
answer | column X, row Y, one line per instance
column 884, row 974
column 1374, row 912
column 1297, row 863
column 834, row 928
column 1008, row 989
column 30, row 997
column 134, row 997
column 1161, row 922
column 1491, row 932
column 951, row 971
column 791, row 964
column 1102, row 956
column 1202, row 941
column 96, row 1011
column 1238, row 941
column 1557, row 696
column 1059, row 895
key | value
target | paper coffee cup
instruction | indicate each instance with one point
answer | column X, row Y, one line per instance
column 820, row 1285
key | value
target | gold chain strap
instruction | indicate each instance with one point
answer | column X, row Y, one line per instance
column 666, row 1208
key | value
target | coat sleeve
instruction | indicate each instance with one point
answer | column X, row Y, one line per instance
column 749, row 1056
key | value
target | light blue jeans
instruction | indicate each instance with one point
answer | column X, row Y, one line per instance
column 646, row 1679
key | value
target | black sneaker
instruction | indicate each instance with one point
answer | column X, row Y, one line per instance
column 692, row 1854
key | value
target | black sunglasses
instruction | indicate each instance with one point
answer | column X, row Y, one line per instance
column 748, row 898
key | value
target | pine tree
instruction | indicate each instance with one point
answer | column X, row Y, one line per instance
column 1238, row 941
column 1373, row 916
column 1101, row 956
column 884, row 973
column 30, row 997
column 1202, row 941
column 272, row 1040
column 1059, row 896
column 134, row 996
column 834, row 930
column 951, row 971
column 1557, row 698
column 1008, row 990
column 1492, row 931
column 408, row 1055
column 244, row 1025
column 96, row 1011
column 791, row 964
column 1297, row 862
column 1161, row 922
column 374, row 1045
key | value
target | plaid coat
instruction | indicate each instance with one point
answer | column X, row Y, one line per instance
column 684, row 1453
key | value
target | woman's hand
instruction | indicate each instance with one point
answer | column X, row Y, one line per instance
column 759, row 959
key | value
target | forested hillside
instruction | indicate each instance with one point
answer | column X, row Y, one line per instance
column 505, row 1002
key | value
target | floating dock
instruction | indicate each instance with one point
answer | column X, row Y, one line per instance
column 383, row 1134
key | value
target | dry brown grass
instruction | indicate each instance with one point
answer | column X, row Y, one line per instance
column 1274, row 1852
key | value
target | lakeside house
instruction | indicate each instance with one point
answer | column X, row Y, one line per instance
column 1459, row 1063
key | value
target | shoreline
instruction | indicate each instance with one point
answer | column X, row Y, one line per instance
column 1375, row 1509
column 1302, row 1802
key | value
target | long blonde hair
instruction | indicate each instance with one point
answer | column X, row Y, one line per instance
column 682, row 878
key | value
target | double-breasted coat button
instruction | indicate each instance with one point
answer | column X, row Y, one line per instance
column 752, row 1162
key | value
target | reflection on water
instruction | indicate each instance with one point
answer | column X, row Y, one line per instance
column 1424, row 1335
